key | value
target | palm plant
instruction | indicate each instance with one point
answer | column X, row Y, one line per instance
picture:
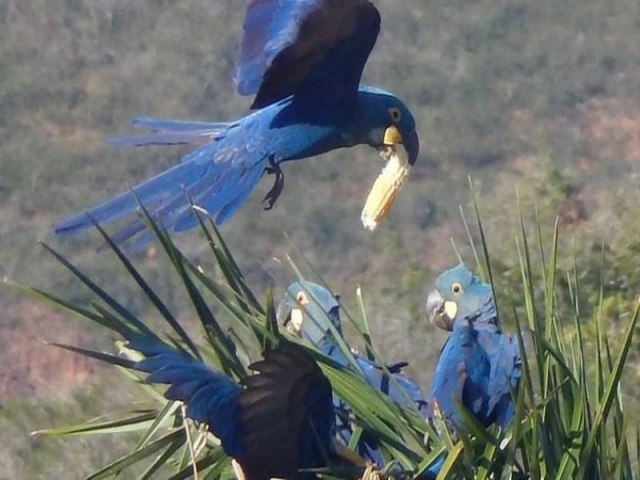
column 570, row 419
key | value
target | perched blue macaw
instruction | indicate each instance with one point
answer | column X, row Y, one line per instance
column 306, row 311
column 478, row 365
column 273, row 424
column 303, row 60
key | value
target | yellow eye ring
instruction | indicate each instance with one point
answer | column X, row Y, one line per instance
column 395, row 114
column 301, row 298
column 456, row 288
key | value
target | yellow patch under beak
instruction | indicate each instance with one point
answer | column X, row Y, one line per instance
column 387, row 185
column 295, row 324
column 451, row 309
column 392, row 136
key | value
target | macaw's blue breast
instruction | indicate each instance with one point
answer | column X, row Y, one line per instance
column 303, row 126
column 480, row 367
column 462, row 374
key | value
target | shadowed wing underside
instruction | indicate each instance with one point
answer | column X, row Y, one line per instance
column 293, row 397
column 293, row 46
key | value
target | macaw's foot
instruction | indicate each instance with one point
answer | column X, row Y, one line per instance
column 278, row 184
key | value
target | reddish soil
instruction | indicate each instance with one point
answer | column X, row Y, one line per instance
column 30, row 367
column 613, row 130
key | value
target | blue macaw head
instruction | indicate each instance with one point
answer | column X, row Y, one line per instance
column 458, row 294
column 306, row 310
column 388, row 122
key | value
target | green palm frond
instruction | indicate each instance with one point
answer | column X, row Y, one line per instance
column 570, row 418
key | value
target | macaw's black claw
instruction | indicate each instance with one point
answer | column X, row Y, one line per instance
column 397, row 367
column 278, row 185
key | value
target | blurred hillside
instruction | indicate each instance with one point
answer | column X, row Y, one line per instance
column 543, row 97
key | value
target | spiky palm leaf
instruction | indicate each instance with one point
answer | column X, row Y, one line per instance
column 570, row 420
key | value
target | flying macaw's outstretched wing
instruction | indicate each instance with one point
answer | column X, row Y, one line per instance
column 293, row 398
column 294, row 46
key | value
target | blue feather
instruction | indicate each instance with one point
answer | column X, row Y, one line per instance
column 174, row 132
column 169, row 125
column 294, row 46
column 210, row 396
column 269, row 27
column 168, row 196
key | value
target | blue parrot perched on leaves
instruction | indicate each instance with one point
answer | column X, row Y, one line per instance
column 307, row 310
column 273, row 423
column 303, row 60
column 479, row 366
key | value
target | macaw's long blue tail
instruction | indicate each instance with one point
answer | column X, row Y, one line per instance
column 174, row 132
column 209, row 395
column 213, row 177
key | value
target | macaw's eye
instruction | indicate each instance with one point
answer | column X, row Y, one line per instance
column 395, row 114
column 301, row 297
column 456, row 288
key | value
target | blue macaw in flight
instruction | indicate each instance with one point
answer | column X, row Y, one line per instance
column 273, row 424
column 479, row 365
column 306, row 311
column 303, row 61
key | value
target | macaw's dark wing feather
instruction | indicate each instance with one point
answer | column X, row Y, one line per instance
column 292, row 397
column 294, row 46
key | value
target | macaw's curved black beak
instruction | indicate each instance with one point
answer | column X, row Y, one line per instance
column 439, row 312
column 411, row 144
